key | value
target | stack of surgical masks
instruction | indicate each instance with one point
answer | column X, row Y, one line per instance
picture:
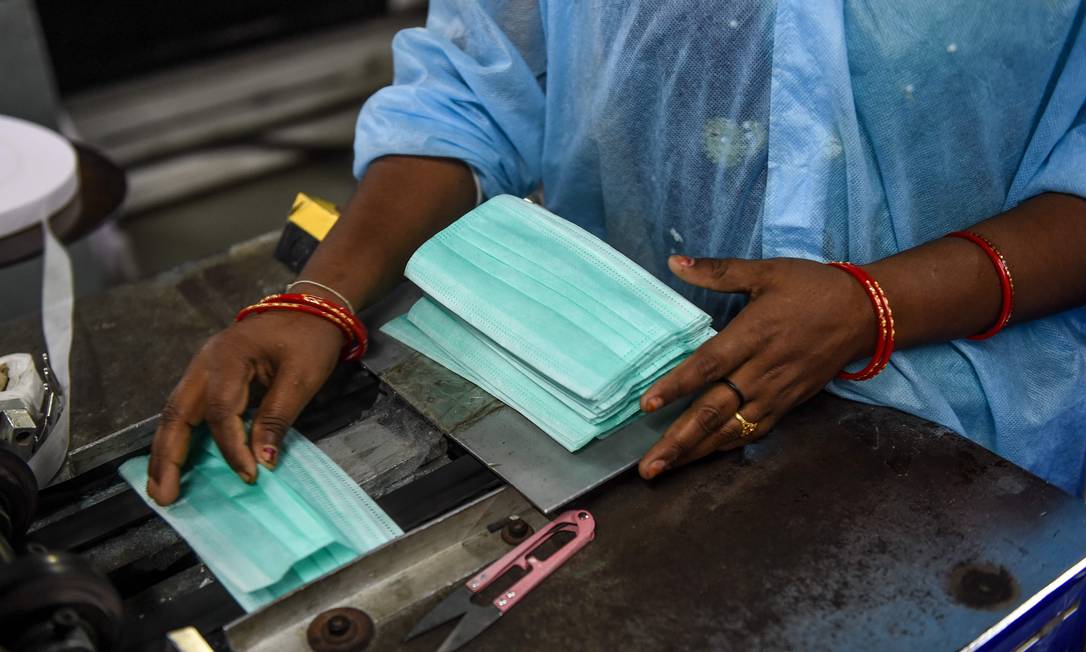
column 294, row 524
column 547, row 318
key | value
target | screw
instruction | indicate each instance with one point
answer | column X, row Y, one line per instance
column 516, row 530
column 339, row 629
column 511, row 594
column 583, row 516
column 338, row 625
column 66, row 618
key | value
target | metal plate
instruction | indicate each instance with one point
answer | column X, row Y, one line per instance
column 547, row 474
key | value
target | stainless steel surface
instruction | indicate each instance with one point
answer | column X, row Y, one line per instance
column 547, row 474
column 390, row 580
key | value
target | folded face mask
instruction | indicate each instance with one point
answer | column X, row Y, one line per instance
column 547, row 318
column 463, row 352
column 294, row 524
column 555, row 296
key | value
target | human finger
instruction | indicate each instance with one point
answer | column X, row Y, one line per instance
column 720, row 274
column 713, row 360
column 732, row 434
column 291, row 389
column 227, row 399
column 705, row 416
column 183, row 410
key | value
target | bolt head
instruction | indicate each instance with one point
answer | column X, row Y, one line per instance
column 338, row 625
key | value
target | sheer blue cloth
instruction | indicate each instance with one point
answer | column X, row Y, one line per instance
column 823, row 130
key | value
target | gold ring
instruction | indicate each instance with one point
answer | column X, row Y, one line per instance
column 748, row 426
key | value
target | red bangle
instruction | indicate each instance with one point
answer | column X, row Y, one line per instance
column 358, row 329
column 884, row 344
column 1006, row 282
column 349, row 324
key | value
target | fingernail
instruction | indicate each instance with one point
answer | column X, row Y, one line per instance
column 268, row 454
column 683, row 261
column 657, row 467
column 653, row 403
column 249, row 478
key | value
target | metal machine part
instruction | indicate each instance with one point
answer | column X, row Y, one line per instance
column 18, row 500
column 49, row 602
column 163, row 584
column 29, row 404
column 343, row 629
column 544, row 471
column 384, row 583
column 56, row 602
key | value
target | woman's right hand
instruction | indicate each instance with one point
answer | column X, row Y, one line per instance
column 289, row 353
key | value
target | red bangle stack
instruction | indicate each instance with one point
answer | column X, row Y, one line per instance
column 352, row 327
column 1006, row 282
column 884, row 346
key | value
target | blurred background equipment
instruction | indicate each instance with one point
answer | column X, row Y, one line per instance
column 211, row 109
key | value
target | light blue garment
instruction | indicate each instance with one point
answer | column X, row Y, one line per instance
column 823, row 130
column 294, row 524
column 546, row 317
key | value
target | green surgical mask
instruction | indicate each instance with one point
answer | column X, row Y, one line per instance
column 546, row 317
column 294, row 524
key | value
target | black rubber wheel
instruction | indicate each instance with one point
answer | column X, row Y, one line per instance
column 18, row 495
column 40, row 583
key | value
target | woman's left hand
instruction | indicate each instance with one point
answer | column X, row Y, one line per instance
column 804, row 322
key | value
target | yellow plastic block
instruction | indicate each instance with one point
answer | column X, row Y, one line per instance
column 313, row 215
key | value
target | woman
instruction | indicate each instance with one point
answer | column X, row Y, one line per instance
column 727, row 147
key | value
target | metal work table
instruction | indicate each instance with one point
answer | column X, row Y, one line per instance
column 850, row 527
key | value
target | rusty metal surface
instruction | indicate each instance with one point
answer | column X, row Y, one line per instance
column 343, row 629
column 850, row 528
column 445, row 399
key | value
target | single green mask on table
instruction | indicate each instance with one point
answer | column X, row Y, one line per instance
column 294, row 524
column 547, row 318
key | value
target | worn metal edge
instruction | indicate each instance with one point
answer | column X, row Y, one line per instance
column 1025, row 607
